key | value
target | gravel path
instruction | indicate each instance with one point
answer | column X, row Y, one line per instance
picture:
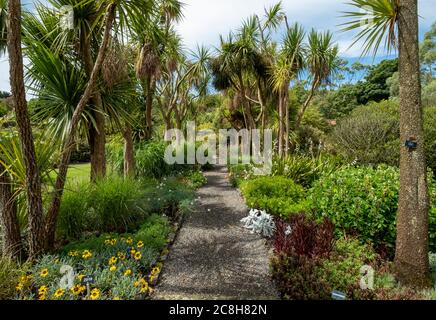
column 214, row 257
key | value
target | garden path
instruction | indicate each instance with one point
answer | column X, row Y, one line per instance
column 214, row 257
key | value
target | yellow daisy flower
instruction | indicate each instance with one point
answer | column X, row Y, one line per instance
column 95, row 294
column 42, row 290
column 138, row 256
column 113, row 260
column 42, row 297
column 128, row 272
column 140, row 244
column 86, row 254
column 44, row 273
column 121, row 255
column 59, row 293
column 113, row 269
column 80, row 277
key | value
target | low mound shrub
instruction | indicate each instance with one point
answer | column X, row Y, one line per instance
column 276, row 195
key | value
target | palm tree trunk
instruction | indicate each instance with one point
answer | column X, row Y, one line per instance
column 96, row 132
column 129, row 152
column 33, row 180
column 281, row 124
column 149, row 88
column 53, row 212
column 287, row 124
column 12, row 247
column 411, row 256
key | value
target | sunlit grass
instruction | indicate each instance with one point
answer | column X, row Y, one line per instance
column 76, row 173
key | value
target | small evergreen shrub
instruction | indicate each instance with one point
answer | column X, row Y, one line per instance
column 364, row 201
column 276, row 195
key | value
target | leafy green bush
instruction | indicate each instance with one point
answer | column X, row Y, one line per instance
column 277, row 195
column 369, row 135
column 360, row 199
column 239, row 173
column 342, row 269
column 165, row 197
column 154, row 232
column 195, row 179
column 364, row 200
column 303, row 169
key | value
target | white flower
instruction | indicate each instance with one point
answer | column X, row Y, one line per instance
column 259, row 222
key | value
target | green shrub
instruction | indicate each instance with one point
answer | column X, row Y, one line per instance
column 195, row 179
column 164, row 197
column 370, row 134
column 154, row 232
column 342, row 269
column 360, row 199
column 303, row 169
column 117, row 204
column 239, row 173
column 74, row 211
column 364, row 200
column 150, row 161
column 277, row 195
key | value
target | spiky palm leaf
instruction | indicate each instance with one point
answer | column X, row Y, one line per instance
column 378, row 21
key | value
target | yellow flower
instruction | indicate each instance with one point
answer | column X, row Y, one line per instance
column 132, row 251
column 113, row 260
column 19, row 286
column 59, row 293
column 80, row 277
column 44, row 273
column 129, row 240
column 86, row 254
column 116, row 298
column 113, row 242
column 113, row 269
column 95, row 294
column 107, row 242
column 42, row 290
column 144, row 289
column 128, row 272
column 155, row 270
column 121, row 255
column 140, row 244
column 73, row 253
column 42, row 297
column 78, row 289
column 138, row 256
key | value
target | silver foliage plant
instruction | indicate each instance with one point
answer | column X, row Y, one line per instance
column 260, row 222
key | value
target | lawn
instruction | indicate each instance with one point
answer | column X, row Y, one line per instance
column 76, row 172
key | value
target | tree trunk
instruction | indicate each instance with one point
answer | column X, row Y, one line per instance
column 129, row 152
column 12, row 247
column 287, row 124
column 53, row 212
column 149, row 87
column 33, row 180
column 411, row 256
column 96, row 132
column 281, row 124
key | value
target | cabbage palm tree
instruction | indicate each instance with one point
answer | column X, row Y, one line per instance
column 394, row 24
column 290, row 63
column 321, row 63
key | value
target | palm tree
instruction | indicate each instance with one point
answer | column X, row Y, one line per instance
column 288, row 66
column 33, row 180
column 394, row 23
column 321, row 63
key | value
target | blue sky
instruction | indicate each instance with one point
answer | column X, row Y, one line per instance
column 205, row 20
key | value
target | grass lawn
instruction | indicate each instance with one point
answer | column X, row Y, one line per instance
column 76, row 173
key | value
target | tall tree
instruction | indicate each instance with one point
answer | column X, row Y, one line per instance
column 33, row 180
column 395, row 22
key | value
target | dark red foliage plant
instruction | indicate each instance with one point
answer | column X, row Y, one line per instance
column 303, row 236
